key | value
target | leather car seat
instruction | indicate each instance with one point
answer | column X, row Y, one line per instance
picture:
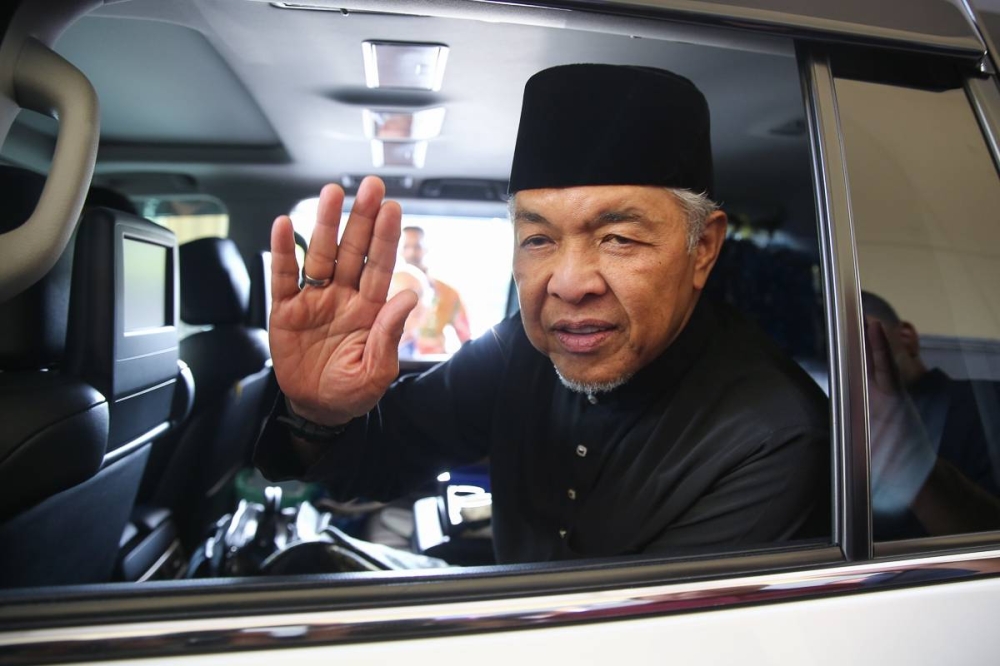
column 78, row 418
column 46, row 413
column 260, row 290
column 231, row 364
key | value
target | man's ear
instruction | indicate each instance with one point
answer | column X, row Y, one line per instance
column 706, row 252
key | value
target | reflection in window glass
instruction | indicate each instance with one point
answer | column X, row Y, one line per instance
column 924, row 203
column 458, row 266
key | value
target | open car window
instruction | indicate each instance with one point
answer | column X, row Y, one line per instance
column 333, row 124
column 460, row 269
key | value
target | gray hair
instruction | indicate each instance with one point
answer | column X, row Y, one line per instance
column 697, row 207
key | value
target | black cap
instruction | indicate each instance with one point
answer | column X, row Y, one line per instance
column 612, row 125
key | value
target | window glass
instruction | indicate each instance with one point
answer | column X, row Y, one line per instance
column 458, row 266
column 608, row 479
column 190, row 217
column 924, row 196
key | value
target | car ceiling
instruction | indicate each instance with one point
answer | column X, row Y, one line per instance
column 234, row 89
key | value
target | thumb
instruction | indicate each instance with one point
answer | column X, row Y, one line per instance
column 387, row 329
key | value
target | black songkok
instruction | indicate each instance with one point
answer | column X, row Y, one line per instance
column 612, row 125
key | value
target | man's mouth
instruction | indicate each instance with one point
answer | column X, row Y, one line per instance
column 580, row 337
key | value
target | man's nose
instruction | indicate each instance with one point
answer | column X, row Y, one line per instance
column 576, row 275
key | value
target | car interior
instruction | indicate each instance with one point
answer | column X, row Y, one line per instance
column 136, row 372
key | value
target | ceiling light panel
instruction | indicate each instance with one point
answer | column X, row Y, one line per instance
column 404, row 65
column 394, row 125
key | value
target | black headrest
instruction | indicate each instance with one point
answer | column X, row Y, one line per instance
column 260, row 290
column 100, row 196
column 215, row 286
column 33, row 329
column 20, row 190
column 122, row 337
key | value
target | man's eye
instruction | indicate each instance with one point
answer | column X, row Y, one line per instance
column 614, row 239
column 534, row 241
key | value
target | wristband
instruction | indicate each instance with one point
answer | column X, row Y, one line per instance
column 305, row 429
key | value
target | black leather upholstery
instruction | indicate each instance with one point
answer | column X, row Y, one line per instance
column 105, row 197
column 215, row 286
column 260, row 290
column 72, row 537
column 20, row 190
column 46, row 413
column 63, row 502
column 231, row 368
column 139, row 386
column 33, row 334
column 55, row 429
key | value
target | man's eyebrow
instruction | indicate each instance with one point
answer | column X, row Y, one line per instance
column 529, row 216
column 615, row 216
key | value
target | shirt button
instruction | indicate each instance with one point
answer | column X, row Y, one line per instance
column 591, row 398
column 571, row 494
column 562, row 534
column 581, row 451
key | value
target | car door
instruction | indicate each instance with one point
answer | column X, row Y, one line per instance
column 890, row 105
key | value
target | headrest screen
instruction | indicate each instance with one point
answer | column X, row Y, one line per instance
column 145, row 303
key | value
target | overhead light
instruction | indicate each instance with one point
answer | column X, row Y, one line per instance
column 392, row 125
column 404, row 65
column 399, row 153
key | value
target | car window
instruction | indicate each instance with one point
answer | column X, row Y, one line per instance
column 462, row 277
column 770, row 269
column 190, row 217
column 924, row 197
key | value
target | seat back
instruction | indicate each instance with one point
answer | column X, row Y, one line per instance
column 231, row 367
column 260, row 290
column 121, row 346
column 53, row 426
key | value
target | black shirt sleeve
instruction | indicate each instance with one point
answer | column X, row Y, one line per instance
column 422, row 426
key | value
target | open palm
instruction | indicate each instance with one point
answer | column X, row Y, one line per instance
column 335, row 348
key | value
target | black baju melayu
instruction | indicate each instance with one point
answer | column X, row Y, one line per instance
column 720, row 443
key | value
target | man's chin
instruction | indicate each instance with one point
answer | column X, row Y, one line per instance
column 592, row 386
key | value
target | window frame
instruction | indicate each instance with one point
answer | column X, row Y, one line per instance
column 981, row 88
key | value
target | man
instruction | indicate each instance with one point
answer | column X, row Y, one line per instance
column 620, row 414
column 446, row 307
column 932, row 468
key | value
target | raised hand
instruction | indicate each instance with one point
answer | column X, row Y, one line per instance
column 902, row 454
column 335, row 347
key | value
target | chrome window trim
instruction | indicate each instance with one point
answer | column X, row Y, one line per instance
column 848, row 390
column 984, row 95
column 176, row 637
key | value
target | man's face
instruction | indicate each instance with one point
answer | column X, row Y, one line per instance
column 413, row 248
column 604, row 277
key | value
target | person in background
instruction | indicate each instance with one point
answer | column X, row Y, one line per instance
column 407, row 277
column 932, row 466
column 446, row 308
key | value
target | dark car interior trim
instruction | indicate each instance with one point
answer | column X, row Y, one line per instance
column 847, row 389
